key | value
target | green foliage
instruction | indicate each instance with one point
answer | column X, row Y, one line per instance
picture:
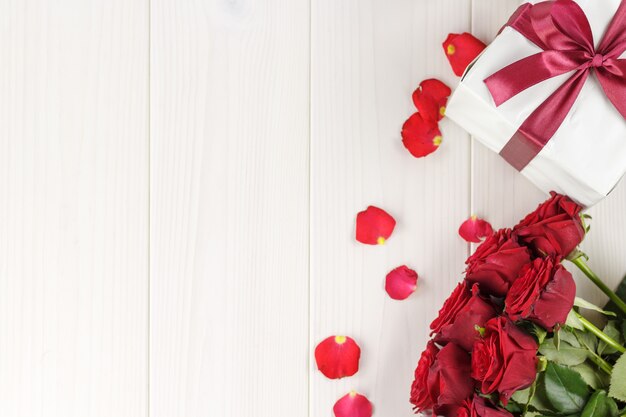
column 600, row 405
column 618, row 379
column 613, row 330
column 564, row 349
column 593, row 376
column 579, row 302
column 565, row 389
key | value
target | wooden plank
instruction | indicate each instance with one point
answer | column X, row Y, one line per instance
column 367, row 58
column 229, row 208
column 504, row 196
column 500, row 193
column 74, row 212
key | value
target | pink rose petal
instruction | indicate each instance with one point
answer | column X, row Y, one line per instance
column 475, row 229
column 353, row 405
column 401, row 282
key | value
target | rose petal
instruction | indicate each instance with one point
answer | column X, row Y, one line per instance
column 374, row 226
column 475, row 229
column 431, row 98
column 338, row 357
column 353, row 405
column 461, row 50
column 401, row 282
column 421, row 136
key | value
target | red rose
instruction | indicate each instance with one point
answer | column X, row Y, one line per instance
column 497, row 262
column 505, row 359
column 459, row 316
column 420, row 397
column 476, row 407
column 554, row 228
column 449, row 377
column 544, row 294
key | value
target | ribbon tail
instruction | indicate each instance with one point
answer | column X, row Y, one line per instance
column 518, row 76
column 533, row 135
column 615, row 37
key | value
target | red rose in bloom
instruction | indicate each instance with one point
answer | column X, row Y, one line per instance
column 374, row 226
column 544, row 294
column 505, row 359
column 431, row 98
column 420, row 397
column 461, row 50
column 449, row 378
column 497, row 262
column 462, row 312
column 554, row 228
column 476, row 407
column 421, row 136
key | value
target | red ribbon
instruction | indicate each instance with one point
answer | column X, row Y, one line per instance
column 561, row 29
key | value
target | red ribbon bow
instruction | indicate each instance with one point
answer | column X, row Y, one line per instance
column 561, row 29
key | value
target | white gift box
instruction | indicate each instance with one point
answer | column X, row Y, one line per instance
column 586, row 157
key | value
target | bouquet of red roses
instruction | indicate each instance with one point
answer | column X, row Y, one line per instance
column 511, row 340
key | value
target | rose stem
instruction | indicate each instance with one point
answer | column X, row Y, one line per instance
column 602, row 364
column 601, row 335
column 580, row 263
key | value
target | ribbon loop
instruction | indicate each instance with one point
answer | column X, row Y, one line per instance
column 561, row 29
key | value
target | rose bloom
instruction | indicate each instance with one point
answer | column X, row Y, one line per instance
column 449, row 377
column 554, row 228
column 505, row 359
column 420, row 397
column 462, row 312
column 476, row 407
column 544, row 294
column 496, row 263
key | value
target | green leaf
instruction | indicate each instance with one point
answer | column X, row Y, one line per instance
column 621, row 293
column 579, row 302
column 565, row 353
column 618, row 379
column 591, row 375
column 539, row 401
column 573, row 321
column 599, row 405
column 614, row 333
column 565, row 389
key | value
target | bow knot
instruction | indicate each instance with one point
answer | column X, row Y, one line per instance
column 597, row 61
column 561, row 30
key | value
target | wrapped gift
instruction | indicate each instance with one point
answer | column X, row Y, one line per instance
column 549, row 95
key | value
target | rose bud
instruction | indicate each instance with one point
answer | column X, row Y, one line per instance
column 505, row 359
column 476, row 407
column 420, row 397
column 449, row 377
column 544, row 294
column 462, row 313
column 554, row 228
column 496, row 263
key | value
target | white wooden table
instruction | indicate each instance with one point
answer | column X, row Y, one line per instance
column 179, row 181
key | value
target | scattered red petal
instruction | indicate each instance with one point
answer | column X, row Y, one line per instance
column 401, row 283
column 338, row 357
column 421, row 136
column 461, row 50
column 374, row 226
column 475, row 229
column 431, row 98
column 353, row 405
